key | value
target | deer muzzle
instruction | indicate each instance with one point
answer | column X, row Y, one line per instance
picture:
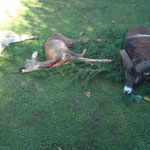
column 22, row 68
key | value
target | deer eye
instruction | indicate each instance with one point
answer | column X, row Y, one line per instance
column 25, row 63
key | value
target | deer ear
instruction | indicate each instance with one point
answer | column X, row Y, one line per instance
column 34, row 55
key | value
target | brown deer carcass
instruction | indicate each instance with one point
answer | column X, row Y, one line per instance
column 136, row 57
column 57, row 54
column 7, row 37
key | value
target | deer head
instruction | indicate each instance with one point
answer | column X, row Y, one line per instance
column 133, row 73
column 31, row 64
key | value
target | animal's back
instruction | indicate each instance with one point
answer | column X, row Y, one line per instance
column 137, row 30
column 69, row 42
column 54, row 49
column 138, row 47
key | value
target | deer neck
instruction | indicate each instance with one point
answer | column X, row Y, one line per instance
column 42, row 63
column 47, row 64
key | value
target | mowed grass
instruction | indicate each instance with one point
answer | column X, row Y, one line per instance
column 45, row 110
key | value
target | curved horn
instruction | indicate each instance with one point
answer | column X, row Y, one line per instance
column 126, row 59
column 142, row 67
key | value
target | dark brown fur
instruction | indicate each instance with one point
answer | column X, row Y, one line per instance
column 138, row 48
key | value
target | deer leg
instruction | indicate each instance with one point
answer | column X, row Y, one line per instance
column 14, row 39
column 65, row 60
column 23, row 38
column 73, row 54
column 92, row 60
column 83, row 52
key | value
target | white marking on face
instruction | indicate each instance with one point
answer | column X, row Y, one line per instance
column 127, row 90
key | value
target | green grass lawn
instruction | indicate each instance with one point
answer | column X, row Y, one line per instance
column 45, row 110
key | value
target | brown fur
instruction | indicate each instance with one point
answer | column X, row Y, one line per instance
column 137, row 30
column 69, row 42
column 139, row 50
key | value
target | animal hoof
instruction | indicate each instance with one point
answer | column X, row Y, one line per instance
column 2, row 55
column 109, row 61
column 36, row 37
column 84, row 51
